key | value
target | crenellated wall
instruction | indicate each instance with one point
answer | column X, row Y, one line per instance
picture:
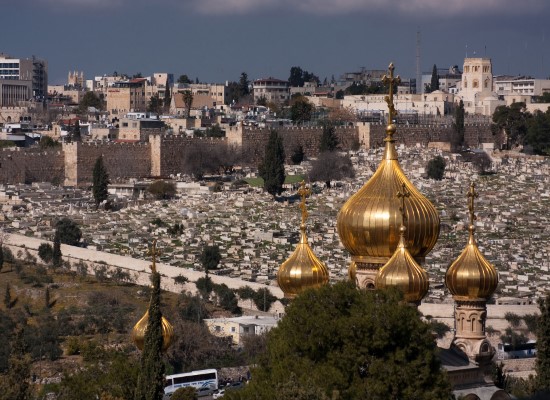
column 30, row 165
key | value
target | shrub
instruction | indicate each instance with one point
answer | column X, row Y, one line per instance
column 436, row 168
column 45, row 252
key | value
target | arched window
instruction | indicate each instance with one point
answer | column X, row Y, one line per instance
column 475, row 84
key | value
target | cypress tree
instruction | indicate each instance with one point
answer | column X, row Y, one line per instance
column 56, row 255
column 100, row 181
column 459, row 123
column 434, row 84
column 329, row 140
column 543, row 346
column 272, row 168
column 150, row 384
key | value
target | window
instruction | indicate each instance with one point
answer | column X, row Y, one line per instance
column 475, row 84
column 125, row 124
column 232, row 329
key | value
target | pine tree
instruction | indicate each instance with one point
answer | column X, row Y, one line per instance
column 543, row 346
column 434, row 84
column 151, row 376
column 329, row 140
column 100, row 182
column 56, row 255
column 272, row 168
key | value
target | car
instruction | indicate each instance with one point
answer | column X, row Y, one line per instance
column 235, row 386
column 204, row 391
column 218, row 394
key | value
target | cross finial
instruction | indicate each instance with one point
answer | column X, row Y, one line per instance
column 303, row 192
column 391, row 81
column 402, row 194
column 154, row 252
column 472, row 194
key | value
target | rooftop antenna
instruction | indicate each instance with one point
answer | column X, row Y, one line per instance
column 418, row 73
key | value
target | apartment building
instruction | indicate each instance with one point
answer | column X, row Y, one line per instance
column 127, row 96
column 26, row 69
column 271, row 89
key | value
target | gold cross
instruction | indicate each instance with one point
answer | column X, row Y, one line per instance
column 402, row 195
column 154, row 252
column 472, row 194
column 304, row 192
column 389, row 98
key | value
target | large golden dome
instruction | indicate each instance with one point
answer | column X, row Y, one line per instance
column 471, row 276
column 138, row 333
column 404, row 273
column 302, row 270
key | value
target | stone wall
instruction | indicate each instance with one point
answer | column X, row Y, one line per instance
column 122, row 160
column 30, row 165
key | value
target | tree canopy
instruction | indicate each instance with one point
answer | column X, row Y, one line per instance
column 513, row 119
column 355, row 343
column 331, row 166
column 272, row 168
column 69, row 232
column 210, row 257
column 301, row 110
column 298, row 77
column 329, row 140
column 162, row 190
column 436, row 168
column 90, row 99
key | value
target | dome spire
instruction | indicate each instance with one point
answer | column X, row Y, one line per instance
column 402, row 271
column 302, row 270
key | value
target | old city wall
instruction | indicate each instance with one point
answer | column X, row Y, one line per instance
column 122, row 160
column 30, row 165
column 169, row 154
column 410, row 135
column 254, row 140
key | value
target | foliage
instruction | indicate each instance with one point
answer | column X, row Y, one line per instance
column 181, row 280
column 339, row 95
column 100, row 182
column 458, row 124
column 183, row 80
column 513, row 319
column 46, row 142
column 245, row 292
column 272, row 168
column 545, row 98
column 150, row 383
column 184, row 393
column 531, row 321
column 362, row 89
column 298, row 77
column 192, row 308
column 90, row 99
column 330, row 166
column 75, row 132
column 69, row 232
column 45, row 252
column 155, row 104
column 226, row 298
column 359, row 344
column 329, row 140
column 543, row 345
column 434, row 82
column 187, row 96
column 263, row 299
column 298, row 155
column 15, row 384
column 436, row 168
column 513, row 119
column 205, row 286
column 162, row 190
column 538, row 133
column 512, row 338
column 439, row 328
column 244, row 83
column 210, row 257
column 56, row 252
column 301, row 110
column 42, row 339
column 7, row 327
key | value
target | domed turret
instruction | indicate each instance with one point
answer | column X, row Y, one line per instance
column 302, row 270
column 402, row 271
column 471, row 276
column 368, row 223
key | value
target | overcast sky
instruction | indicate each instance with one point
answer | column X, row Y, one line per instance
column 216, row 40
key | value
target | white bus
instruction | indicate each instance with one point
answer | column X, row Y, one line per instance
column 197, row 379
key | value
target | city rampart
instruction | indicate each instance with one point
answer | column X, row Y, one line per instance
column 31, row 165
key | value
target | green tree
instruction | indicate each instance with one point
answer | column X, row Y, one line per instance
column 301, row 110
column 184, row 80
column 458, row 123
column 543, row 346
column 150, row 385
column 263, row 299
column 210, row 257
column 244, row 83
column 100, row 182
column 538, row 133
column 331, row 166
column 296, row 78
column 205, row 286
column 90, row 99
column 185, row 393
column 513, row 120
column 45, row 252
column 227, row 299
column 155, row 104
column 56, row 254
column 356, row 343
column 188, row 102
column 436, row 168
column 272, row 168
column 69, row 232
column 15, row 384
column 434, row 83
column 162, row 190
column 298, row 155
column 329, row 140
column 47, row 142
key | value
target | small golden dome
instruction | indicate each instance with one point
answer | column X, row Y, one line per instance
column 302, row 270
column 368, row 223
column 404, row 273
column 138, row 333
column 471, row 276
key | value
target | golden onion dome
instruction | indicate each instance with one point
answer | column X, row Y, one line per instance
column 138, row 333
column 368, row 223
column 302, row 270
column 471, row 276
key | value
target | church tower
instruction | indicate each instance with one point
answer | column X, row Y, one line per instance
column 369, row 222
column 472, row 280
